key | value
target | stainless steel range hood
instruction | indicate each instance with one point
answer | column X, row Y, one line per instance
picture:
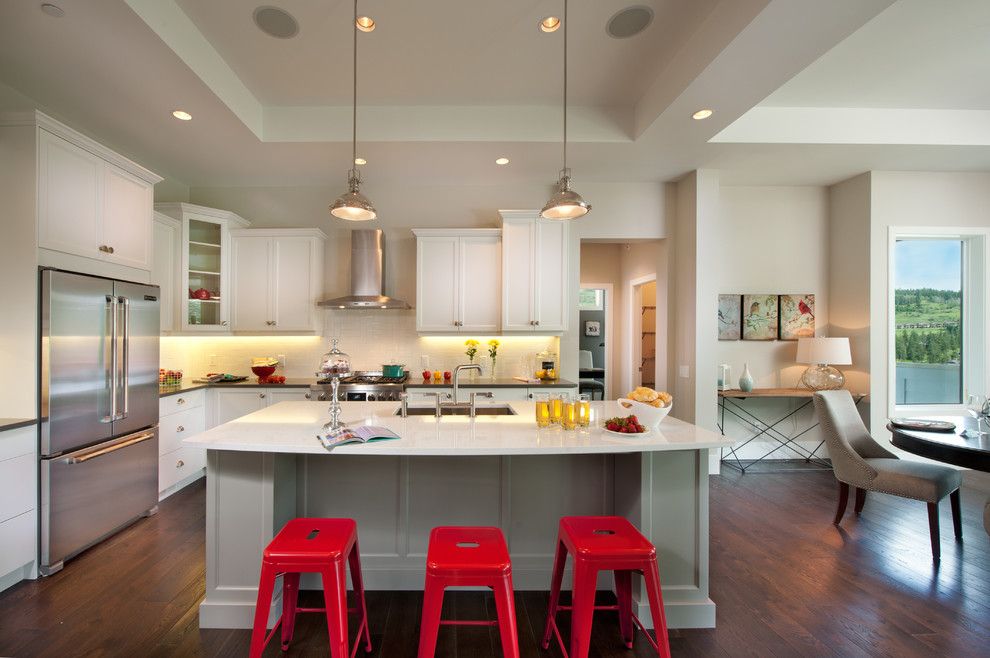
column 367, row 274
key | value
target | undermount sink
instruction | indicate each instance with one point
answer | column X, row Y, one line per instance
column 463, row 410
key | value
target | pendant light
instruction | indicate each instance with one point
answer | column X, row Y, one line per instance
column 565, row 203
column 352, row 205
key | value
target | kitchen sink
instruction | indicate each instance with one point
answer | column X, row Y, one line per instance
column 461, row 410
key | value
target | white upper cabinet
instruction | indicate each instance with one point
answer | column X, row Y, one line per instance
column 204, row 265
column 91, row 201
column 165, row 263
column 458, row 278
column 534, row 273
column 277, row 280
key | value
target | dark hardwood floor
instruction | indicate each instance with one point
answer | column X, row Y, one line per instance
column 786, row 582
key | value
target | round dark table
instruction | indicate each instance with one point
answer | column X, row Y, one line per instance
column 949, row 447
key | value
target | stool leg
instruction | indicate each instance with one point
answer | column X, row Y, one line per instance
column 354, row 559
column 429, row 625
column 652, row 576
column 559, row 560
column 623, row 592
column 583, row 607
column 505, row 606
column 335, row 595
column 266, row 585
column 290, row 597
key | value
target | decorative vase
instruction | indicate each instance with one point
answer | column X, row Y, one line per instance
column 493, row 375
column 746, row 379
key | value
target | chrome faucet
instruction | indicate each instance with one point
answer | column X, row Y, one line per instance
column 457, row 372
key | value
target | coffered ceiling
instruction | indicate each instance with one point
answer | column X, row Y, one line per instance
column 446, row 86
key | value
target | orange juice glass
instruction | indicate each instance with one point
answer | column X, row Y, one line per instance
column 556, row 408
column 542, row 410
column 583, row 410
column 568, row 418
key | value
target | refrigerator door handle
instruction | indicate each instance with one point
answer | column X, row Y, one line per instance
column 110, row 358
column 125, row 383
column 99, row 452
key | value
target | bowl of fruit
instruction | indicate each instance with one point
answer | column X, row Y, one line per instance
column 624, row 425
column 650, row 406
column 264, row 368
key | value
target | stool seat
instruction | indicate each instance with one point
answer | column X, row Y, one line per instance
column 468, row 556
column 309, row 540
column 467, row 553
column 605, row 538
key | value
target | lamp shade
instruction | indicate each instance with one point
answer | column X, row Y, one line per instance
column 832, row 351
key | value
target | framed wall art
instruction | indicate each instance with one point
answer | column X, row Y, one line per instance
column 759, row 317
column 797, row 316
column 729, row 317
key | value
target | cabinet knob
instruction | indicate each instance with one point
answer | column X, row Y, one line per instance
column 223, row 323
column 309, row 397
column 180, row 464
column 261, row 395
column 180, row 428
column 110, row 249
column 537, row 323
column 180, row 401
column 274, row 324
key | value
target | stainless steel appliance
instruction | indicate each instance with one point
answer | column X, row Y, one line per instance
column 367, row 275
column 362, row 386
column 98, row 410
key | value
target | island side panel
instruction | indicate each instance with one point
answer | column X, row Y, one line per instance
column 666, row 495
column 249, row 496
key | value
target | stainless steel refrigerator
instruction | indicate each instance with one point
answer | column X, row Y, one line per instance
column 98, row 410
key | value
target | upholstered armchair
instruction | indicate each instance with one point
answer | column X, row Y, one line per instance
column 860, row 462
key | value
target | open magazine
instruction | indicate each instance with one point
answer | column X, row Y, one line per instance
column 360, row 434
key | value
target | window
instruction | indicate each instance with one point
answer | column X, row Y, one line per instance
column 591, row 299
column 938, row 318
column 928, row 321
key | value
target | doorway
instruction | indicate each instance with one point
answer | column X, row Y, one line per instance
column 595, row 339
column 643, row 331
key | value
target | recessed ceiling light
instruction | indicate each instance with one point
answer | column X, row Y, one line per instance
column 365, row 23
column 629, row 22
column 702, row 114
column 182, row 115
column 360, row 161
column 549, row 24
column 276, row 22
column 53, row 10
column 502, row 161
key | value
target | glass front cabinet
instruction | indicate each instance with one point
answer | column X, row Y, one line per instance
column 205, row 269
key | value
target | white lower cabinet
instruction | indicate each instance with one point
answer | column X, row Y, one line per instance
column 179, row 416
column 18, row 505
column 232, row 404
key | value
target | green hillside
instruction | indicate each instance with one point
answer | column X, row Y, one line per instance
column 928, row 325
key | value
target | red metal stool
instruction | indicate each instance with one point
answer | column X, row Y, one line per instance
column 604, row 543
column 312, row 546
column 468, row 557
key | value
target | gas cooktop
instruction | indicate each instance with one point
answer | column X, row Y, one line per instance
column 363, row 386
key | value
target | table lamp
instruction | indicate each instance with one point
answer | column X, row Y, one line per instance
column 822, row 353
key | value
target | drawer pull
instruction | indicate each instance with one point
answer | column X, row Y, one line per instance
column 180, row 401
column 180, row 428
column 261, row 395
column 180, row 464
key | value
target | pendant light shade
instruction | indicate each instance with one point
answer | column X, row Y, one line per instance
column 565, row 203
column 352, row 205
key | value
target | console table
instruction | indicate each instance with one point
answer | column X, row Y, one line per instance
column 731, row 402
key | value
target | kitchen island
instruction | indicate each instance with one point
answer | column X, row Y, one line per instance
column 268, row 467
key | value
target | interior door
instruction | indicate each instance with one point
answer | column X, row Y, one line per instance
column 137, row 331
column 76, row 357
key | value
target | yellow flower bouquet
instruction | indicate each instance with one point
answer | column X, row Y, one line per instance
column 472, row 348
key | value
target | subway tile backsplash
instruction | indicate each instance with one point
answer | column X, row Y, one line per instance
column 371, row 338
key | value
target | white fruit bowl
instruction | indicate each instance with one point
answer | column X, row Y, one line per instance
column 647, row 414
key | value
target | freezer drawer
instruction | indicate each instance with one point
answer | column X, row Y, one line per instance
column 88, row 494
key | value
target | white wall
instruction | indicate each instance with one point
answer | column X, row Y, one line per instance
column 913, row 199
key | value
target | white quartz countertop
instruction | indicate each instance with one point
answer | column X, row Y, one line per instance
column 291, row 427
